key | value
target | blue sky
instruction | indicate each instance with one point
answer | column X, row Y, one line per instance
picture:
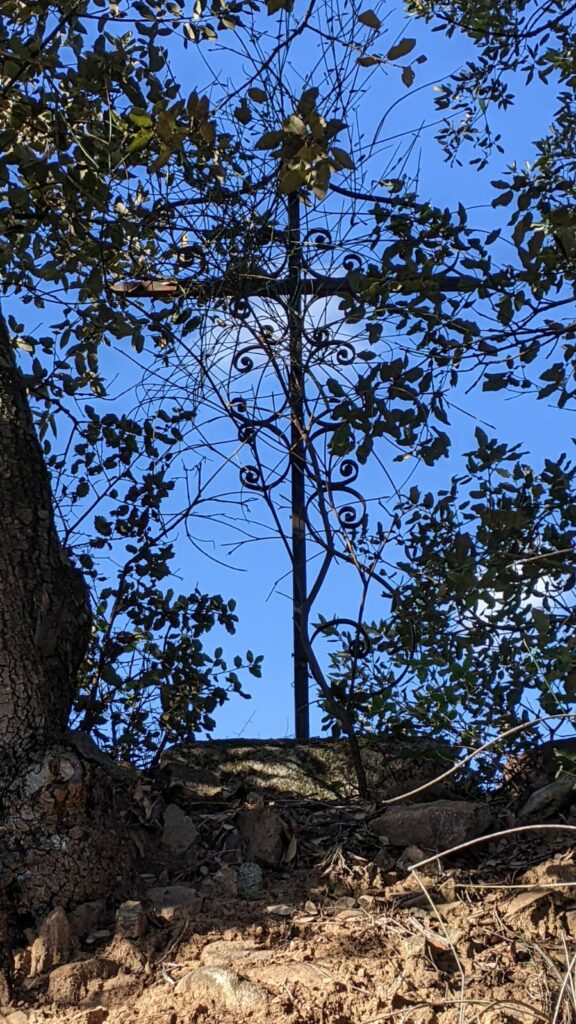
column 257, row 575
column 263, row 602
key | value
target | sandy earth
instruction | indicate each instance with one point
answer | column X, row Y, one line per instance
column 291, row 909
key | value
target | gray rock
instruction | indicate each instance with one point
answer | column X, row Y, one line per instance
column 223, row 883
column 264, row 835
column 548, row 800
column 180, row 832
column 250, row 878
column 130, row 920
column 435, row 826
column 223, row 987
column 171, row 902
column 411, row 855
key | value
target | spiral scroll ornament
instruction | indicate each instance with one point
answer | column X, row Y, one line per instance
column 327, row 347
column 359, row 644
column 281, row 382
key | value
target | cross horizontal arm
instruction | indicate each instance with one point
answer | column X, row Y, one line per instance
column 259, row 285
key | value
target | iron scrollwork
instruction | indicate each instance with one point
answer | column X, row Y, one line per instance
column 324, row 347
column 359, row 646
column 334, row 507
column 352, row 262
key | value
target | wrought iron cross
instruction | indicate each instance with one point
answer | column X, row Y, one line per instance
column 291, row 289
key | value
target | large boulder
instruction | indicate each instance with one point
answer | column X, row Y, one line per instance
column 436, row 826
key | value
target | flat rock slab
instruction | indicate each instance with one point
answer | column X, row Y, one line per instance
column 549, row 800
column 171, row 902
column 437, row 826
column 313, row 769
column 223, row 987
column 223, row 953
column 69, row 984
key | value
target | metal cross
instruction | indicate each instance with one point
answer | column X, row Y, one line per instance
column 292, row 288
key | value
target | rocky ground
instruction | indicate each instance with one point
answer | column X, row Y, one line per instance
column 272, row 894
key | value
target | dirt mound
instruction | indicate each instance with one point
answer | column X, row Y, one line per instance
column 310, row 911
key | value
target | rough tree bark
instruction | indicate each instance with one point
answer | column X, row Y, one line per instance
column 44, row 610
column 56, row 809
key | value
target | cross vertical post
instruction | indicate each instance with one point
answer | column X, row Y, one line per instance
column 296, row 396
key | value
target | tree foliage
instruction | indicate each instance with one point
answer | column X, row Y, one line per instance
column 77, row 96
column 480, row 632
column 144, row 216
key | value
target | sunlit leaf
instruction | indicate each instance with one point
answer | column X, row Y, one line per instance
column 290, row 181
column 140, row 140
column 343, row 158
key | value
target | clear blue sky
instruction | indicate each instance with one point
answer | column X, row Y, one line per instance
column 256, row 575
column 263, row 603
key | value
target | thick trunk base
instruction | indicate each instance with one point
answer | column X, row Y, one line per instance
column 62, row 836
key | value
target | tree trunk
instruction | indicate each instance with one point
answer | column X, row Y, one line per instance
column 58, row 843
column 44, row 611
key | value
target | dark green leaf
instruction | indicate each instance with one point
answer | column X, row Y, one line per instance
column 401, row 49
column 371, row 19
